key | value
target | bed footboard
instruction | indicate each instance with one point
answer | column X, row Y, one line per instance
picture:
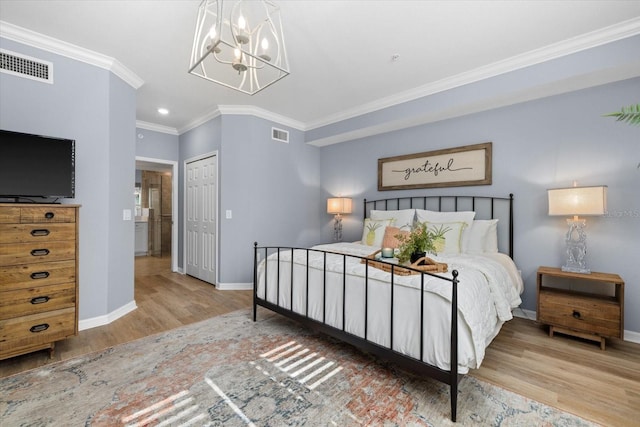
column 284, row 305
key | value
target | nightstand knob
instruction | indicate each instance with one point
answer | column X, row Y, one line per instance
column 576, row 314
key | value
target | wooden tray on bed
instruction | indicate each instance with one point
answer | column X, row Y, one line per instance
column 425, row 264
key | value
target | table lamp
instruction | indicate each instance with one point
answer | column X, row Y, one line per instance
column 338, row 206
column 575, row 201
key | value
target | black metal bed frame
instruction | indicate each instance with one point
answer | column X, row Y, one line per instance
column 404, row 361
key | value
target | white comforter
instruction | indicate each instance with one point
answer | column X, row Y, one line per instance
column 489, row 289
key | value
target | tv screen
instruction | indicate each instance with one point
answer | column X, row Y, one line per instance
column 36, row 166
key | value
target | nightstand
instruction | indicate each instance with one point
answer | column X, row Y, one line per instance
column 577, row 311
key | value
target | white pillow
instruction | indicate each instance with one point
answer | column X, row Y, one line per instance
column 440, row 217
column 402, row 218
column 373, row 231
column 450, row 240
column 483, row 236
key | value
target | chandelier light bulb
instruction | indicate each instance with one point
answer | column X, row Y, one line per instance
column 237, row 64
column 212, row 37
column 265, row 47
column 242, row 37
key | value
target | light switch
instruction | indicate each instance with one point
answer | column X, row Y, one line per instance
column 126, row 215
column 228, row 214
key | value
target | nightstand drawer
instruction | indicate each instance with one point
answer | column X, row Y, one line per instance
column 37, row 300
column 581, row 313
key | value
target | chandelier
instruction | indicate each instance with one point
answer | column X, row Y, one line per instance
column 239, row 44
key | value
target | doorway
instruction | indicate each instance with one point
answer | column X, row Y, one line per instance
column 156, row 209
column 201, row 207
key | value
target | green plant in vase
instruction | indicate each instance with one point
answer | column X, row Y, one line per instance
column 439, row 240
column 415, row 244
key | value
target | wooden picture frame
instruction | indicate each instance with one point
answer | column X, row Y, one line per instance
column 451, row 167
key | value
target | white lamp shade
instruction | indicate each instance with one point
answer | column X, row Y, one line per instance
column 339, row 205
column 578, row 200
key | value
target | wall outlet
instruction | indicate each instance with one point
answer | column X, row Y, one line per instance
column 126, row 215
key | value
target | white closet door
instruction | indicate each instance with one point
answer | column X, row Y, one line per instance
column 201, row 203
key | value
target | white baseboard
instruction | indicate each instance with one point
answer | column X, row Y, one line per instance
column 525, row 314
column 234, row 286
column 107, row 318
column 630, row 336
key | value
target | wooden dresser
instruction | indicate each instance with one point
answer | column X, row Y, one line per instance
column 38, row 276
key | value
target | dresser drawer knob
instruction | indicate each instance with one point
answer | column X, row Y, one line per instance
column 39, row 300
column 39, row 328
column 40, row 252
column 49, row 215
column 39, row 275
column 40, row 233
column 576, row 314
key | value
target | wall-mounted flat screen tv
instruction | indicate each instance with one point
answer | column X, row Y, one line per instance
column 36, row 166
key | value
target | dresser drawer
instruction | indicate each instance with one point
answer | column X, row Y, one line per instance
column 37, row 329
column 40, row 274
column 36, row 233
column 580, row 313
column 47, row 214
column 9, row 215
column 27, row 253
column 37, row 300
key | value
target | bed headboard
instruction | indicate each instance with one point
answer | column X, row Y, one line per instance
column 486, row 207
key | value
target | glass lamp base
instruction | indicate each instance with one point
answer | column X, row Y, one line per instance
column 576, row 240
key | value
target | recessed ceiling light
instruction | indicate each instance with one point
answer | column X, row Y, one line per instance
column 163, row 111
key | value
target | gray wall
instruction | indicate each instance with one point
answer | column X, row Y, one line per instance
column 272, row 188
column 156, row 145
column 537, row 145
column 96, row 109
column 121, row 244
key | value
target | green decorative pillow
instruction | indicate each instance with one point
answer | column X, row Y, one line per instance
column 373, row 231
column 448, row 236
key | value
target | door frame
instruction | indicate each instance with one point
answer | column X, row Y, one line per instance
column 175, row 214
column 184, row 209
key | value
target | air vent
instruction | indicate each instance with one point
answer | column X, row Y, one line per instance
column 25, row 66
column 280, row 135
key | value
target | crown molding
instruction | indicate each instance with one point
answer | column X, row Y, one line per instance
column 251, row 110
column 199, row 121
column 244, row 110
column 59, row 47
column 576, row 44
column 156, row 128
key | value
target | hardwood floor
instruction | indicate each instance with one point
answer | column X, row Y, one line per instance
column 568, row 373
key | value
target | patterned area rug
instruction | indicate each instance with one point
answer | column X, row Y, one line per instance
column 230, row 371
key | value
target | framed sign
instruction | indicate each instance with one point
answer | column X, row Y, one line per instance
column 451, row 167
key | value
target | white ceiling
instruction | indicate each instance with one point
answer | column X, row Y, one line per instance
column 339, row 51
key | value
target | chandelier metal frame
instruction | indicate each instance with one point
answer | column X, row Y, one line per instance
column 239, row 44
